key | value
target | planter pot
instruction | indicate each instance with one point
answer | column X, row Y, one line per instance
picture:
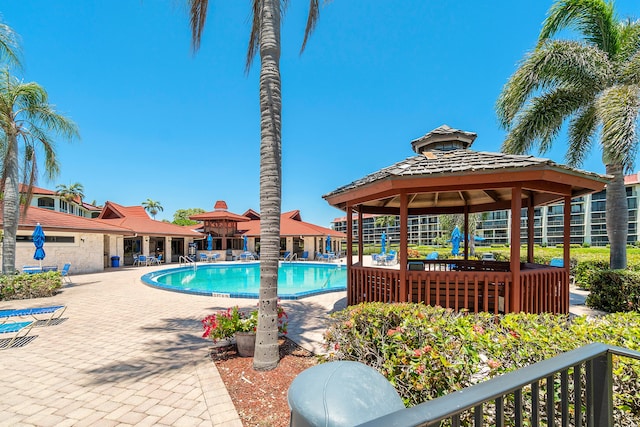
column 246, row 343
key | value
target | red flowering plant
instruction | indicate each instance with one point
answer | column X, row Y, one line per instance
column 225, row 323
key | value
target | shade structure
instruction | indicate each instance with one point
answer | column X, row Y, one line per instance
column 244, row 243
column 328, row 243
column 456, row 237
column 209, row 242
column 38, row 241
column 383, row 242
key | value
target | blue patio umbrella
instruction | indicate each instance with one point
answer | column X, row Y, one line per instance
column 328, row 243
column 383, row 243
column 209, row 242
column 456, row 237
column 244, row 243
column 38, row 241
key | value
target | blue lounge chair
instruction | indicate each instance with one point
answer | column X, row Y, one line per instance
column 286, row 256
column 18, row 329
column 65, row 273
column 246, row 256
column 204, row 257
column 432, row 256
column 304, row 256
column 37, row 313
column 557, row 262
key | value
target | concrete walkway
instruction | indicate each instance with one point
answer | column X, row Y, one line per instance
column 128, row 354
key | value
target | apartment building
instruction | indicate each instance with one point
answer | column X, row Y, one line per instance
column 588, row 224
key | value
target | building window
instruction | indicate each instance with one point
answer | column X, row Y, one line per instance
column 64, row 206
column 46, row 203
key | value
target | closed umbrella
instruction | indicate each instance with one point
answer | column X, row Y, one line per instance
column 456, row 237
column 328, row 243
column 244, row 243
column 209, row 242
column 383, row 243
column 38, row 241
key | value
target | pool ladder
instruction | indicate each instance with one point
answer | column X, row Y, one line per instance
column 186, row 262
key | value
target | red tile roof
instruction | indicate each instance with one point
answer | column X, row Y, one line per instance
column 136, row 219
column 52, row 220
column 291, row 224
column 219, row 213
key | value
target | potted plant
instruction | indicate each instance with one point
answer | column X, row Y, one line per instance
column 241, row 325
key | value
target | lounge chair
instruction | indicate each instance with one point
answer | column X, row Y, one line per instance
column 204, row 257
column 142, row 259
column 46, row 314
column 246, row 256
column 432, row 256
column 286, row 256
column 65, row 273
column 18, row 329
column 304, row 256
column 31, row 269
column 557, row 262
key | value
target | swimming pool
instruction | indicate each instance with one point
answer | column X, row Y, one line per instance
column 295, row 280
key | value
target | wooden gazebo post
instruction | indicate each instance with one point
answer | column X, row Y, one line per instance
column 404, row 241
column 516, row 206
column 530, row 230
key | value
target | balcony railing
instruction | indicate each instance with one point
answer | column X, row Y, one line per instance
column 571, row 389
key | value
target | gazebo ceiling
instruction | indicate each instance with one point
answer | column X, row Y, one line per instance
column 453, row 178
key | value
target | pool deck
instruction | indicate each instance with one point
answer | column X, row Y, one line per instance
column 129, row 354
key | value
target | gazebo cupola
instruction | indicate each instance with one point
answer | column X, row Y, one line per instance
column 443, row 138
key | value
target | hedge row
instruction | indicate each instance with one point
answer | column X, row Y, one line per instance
column 25, row 286
column 427, row 352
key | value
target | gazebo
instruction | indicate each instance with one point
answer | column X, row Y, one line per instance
column 446, row 177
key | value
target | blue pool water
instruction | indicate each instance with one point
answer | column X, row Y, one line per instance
column 295, row 280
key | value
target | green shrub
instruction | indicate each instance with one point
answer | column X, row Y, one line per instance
column 586, row 245
column 585, row 270
column 426, row 352
column 615, row 291
column 25, row 286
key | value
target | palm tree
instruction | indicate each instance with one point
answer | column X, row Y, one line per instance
column 72, row 192
column 593, row 84
column 152, row 207
column 27, row 124
column 265, row 38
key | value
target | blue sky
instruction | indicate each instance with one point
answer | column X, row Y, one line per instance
column 158, row 122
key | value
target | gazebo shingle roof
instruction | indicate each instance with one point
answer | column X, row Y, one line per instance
column 458, row 162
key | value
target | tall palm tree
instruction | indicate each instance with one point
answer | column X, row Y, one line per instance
column 152, row 207
column 28, row 124
column 71, row 192
column 265, row 39
column 593, row 84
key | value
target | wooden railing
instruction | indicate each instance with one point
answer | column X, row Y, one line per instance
column 474, row 286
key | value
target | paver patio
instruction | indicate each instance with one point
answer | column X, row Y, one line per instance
column 129, row 354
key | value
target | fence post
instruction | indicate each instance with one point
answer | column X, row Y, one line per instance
column 601, row 388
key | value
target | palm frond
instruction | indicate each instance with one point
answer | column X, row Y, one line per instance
column 254, row 36
column 540, row 121
column 595, row 19
column 618, row 109
column 630, row 70
column 312, row 20
column 629, row 32
column 582, row 130
column 9, row 45
column 197, row 19
column 556, row 63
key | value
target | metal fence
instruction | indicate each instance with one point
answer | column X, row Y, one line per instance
column 572, row 389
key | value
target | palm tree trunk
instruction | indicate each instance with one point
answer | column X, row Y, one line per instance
column 617, row 217
column 11, row 207
column 266, row 355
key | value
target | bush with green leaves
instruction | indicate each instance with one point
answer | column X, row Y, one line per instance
column 615, row 291
column 426, row 352
column 25, row 286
